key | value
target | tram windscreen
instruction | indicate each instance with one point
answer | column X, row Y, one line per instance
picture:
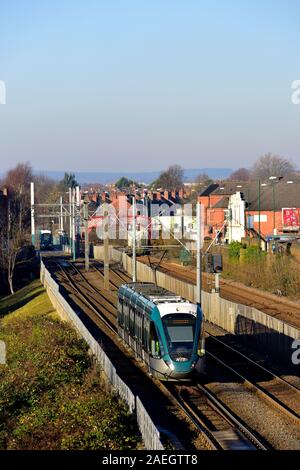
column 46, row 237
column 180, row 332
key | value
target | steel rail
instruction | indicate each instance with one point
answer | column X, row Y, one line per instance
column 87, row 300
column 245, row 438
column 236, row 351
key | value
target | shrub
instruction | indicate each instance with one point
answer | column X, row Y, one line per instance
column 234, row 250
column 254, row 254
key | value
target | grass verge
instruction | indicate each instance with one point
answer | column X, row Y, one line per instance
column 51, row 394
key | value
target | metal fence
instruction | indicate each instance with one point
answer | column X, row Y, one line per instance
column 149, row 432
column 258, row 329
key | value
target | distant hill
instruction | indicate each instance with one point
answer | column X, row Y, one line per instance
column 142, row 177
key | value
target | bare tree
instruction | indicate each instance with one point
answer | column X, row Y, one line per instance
column 201, row 182
column 242, row 174
column 13, row 241
column 170, row 179
column 272, row 165
column 203, row 179
column 17, row 180
column 14, row 225
column 47, row 190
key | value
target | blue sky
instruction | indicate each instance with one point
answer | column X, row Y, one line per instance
column 138, row 85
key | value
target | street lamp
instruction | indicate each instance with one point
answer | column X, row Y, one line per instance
column 259, row 214
column 259, row 198
column 273, row 179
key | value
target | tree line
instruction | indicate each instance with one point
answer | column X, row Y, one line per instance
column 15, row 221
column 265, row 166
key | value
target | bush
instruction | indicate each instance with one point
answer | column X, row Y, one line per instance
column 285, row 277
column 254, row 254
column 234, row 250
column 279, row 274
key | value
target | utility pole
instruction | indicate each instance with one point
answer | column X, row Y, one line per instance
column 61, row 219
column 217, row 283
column 70, row 221
column 86, row 232
column 106, row 251
column 259, row 235
column 73, row 226
column 77, row 219
column 248, row 208
column 133, row 239
column 274, row 225
column 198, row 253
column 32, row 214
column 230, row 221
column 273, row 179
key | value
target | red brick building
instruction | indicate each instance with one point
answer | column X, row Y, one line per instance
column 214, row 200
column 266, row 208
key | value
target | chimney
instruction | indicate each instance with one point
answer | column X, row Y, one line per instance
column 173, row 193
column 158, row 195
column 103, row 196
column 180, row 193
column 166, row 194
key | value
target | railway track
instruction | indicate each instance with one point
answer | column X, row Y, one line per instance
column 86, row 292
column 117, row 277
column 222, row 429
column 276, row 390
column 200, row 406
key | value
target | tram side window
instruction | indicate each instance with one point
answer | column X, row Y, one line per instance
column 126, row 315
column 138, row 319
column 131, row 321
column 146, row 333
column 142, row 328
column 154, row 342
